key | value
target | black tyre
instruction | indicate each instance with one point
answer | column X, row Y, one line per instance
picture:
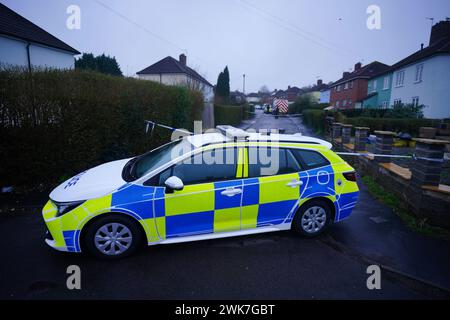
column 112, row 236
column 312, row 218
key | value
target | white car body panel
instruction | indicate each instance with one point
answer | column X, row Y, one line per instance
column 90, row 184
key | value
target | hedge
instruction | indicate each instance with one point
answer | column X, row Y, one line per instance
column 54, row 124
column 314, row 118
column 410, row 126
column 231, row 115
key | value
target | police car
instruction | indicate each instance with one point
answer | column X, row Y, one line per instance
column 212, row 185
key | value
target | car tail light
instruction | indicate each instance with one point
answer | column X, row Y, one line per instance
column 350, row 176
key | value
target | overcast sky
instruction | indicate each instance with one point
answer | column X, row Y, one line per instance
column 274, row 42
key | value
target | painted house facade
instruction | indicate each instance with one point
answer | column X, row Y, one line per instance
column 379, row 91
column 24, row 44
column 423, row 78
column 350, row 91
column 315, row 92
column 174, row 72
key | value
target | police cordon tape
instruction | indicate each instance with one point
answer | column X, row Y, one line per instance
column 279, row 115
column 368, row 154
column 358, row 154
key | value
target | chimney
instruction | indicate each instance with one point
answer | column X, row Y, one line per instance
column 183, row 59
column 319, row 82
column 289, row 87
column 421, row 46
column 439, row 30
column 358, row 66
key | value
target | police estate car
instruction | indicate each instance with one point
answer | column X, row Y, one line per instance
column 204, row 186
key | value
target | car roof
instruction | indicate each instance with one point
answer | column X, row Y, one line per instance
column 238, row 135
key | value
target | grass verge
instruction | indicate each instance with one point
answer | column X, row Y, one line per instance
column 416, row 224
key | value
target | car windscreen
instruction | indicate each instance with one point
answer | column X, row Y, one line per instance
column 152, row 160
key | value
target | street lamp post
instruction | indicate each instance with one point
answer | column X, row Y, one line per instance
column 243, row 83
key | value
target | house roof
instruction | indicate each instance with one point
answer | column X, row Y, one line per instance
column 171, row 65
column 441, row 46
column 365, row 72
column 14, row 25
column 318, row 87
column 293, row 89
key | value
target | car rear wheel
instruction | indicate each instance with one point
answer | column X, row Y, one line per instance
column 312, row 218
column 112, row 237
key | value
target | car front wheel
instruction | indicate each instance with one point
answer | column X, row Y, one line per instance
column 112, row 237
column 312, row 218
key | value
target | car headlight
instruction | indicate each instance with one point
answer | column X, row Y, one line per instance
column 64, row 207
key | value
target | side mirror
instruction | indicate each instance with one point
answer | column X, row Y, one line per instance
column 173, row 183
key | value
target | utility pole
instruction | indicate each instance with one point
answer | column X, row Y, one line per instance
column 243, row 83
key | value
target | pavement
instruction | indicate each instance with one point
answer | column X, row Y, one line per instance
column 277, row 265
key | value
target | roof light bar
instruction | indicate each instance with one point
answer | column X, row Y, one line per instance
column 233, row 133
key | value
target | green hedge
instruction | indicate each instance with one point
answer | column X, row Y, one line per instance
column 410, row 126
column 248, row 112
column 314, row 118
column 54, row 124
column 230, row 115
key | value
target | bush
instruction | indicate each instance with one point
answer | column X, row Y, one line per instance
column 57, row 123
column 248, row 112
column 314, row 118
column 230, row 115
column 398, row 111
column 410, row 126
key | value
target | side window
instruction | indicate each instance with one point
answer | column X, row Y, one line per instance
column 271, row 161
column 310, row 159
column 159, row 179
column 208, row 166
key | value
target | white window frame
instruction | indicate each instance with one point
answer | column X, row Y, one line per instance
column 374, row 85
column 344, row 103
column 386, row 83
column 346, row 86
column 400, row 78
column 419, row 73
column 337, row 104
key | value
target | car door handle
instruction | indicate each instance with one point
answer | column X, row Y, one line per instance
column 231, row 192
column 294, row 183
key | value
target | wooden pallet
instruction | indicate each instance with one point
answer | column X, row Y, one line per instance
column 405, row 173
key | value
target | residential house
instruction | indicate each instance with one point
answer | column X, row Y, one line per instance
column 253, row 97
column 423, row 78
column 349, row 91
column 170, row 71
column 237, row 97
column 291, row 94
column 379, row 91
column 26, row 45
column 325, row 95
column 314, row 93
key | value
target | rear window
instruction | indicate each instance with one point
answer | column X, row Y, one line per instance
column 310, row 159
column 271, row 161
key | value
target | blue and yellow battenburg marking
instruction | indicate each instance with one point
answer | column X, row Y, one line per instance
column 202, row 208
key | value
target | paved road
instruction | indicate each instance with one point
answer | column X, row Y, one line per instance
column 267, row 266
